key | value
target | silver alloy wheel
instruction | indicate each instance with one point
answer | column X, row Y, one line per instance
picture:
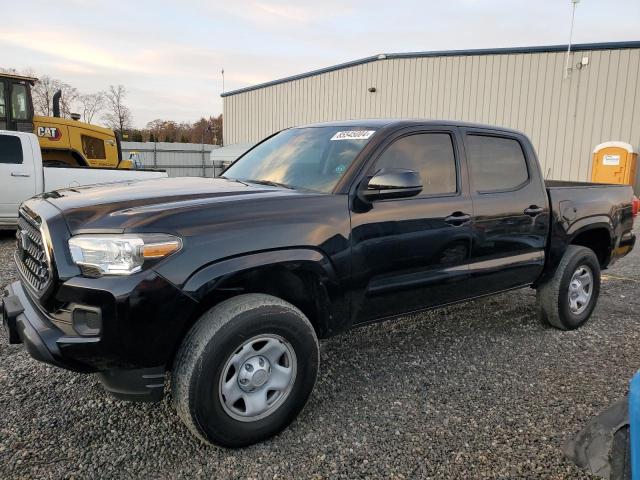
column 580, row 289
column 257, row 378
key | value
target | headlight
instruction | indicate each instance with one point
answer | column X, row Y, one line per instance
column 123, row 254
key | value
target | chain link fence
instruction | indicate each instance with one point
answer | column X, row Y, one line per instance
column 178, row 159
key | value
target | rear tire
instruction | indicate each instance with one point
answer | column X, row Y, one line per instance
column 256, row 348
column 567, row 300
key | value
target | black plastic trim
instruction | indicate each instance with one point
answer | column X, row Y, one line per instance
column 138, row 385
column 41, row 338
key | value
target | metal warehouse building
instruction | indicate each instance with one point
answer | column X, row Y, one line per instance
column 522, row 88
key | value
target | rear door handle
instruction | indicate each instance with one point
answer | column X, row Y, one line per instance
column 457, row 218
column 533, row 211
column 18, row 174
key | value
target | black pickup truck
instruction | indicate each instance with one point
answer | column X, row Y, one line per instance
column 228, row 283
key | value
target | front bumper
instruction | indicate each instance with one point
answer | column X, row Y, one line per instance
column 124, row 328
column 25, row 323
column 132, row 350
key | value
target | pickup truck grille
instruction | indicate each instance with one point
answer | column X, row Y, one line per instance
column 30, row 255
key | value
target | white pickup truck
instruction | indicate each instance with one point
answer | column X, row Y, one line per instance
column 22, row 174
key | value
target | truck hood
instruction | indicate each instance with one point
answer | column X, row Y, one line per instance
column 121, row 206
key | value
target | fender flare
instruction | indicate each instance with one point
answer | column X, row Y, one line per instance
column 212, row 276
column 559, row 245
column 590, row 223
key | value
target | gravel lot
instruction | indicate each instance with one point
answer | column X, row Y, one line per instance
column 479, row 390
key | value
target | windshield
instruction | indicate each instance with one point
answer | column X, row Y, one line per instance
column 312, row 158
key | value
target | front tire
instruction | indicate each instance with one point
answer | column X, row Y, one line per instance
column 567, row 300
column 245, row 370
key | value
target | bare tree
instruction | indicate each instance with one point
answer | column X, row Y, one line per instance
column 91, row 105
column 204, row 130
column 118, row 116
column 68, row 100
column 42, row 94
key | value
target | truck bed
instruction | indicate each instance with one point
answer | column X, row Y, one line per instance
column 588, row 198
column 578, row 205
column 63, row 177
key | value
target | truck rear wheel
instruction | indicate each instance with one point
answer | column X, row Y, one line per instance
column 245, row 370
column 568, row 299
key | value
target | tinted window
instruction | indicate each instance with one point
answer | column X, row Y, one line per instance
column 3, row 103
column 496, row 163
column 312, row 158
column 430, row 154
column 19, row 102
column 93, row 147
column 10, row 149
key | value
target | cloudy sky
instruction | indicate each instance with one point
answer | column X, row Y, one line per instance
column 169, row 54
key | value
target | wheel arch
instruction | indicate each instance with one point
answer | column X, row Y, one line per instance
column 74, row 154
column 594, row 232
column 597, row 236
column 303, row 277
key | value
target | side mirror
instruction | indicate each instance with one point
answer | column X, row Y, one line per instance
column 391, row 183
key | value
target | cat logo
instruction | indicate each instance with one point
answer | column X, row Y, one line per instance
column 52, row 133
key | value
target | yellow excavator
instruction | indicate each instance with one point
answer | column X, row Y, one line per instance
column 63, row 141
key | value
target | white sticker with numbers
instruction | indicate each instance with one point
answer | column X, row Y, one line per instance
column 353, row 135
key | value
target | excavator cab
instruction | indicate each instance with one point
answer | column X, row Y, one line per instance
column 16, row 104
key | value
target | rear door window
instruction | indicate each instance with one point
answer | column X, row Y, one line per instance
column 10, row 149
column 497, row 163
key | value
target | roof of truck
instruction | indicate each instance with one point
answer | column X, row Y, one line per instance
column 408, row 122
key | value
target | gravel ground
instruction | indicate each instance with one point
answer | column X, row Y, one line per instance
column 479, row 390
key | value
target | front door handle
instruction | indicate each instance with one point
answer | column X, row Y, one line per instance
column 18, row 174
column 457, row 218
column 533, row 211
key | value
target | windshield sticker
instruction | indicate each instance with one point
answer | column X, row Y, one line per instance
column 353, row 135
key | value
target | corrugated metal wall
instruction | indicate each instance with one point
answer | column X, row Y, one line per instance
column 178, row 159
column 565, row 119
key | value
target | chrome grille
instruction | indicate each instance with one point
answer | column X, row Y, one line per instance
column 31, row 257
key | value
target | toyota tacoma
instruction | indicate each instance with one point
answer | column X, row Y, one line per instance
column 228, row 283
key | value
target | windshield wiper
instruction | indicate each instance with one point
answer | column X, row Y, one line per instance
column 271, row 183
column 234, row 180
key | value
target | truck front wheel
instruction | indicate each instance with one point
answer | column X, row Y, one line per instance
column 245, row 370
column 568, row 299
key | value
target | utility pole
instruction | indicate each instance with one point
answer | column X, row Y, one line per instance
column 573, row 15
column 206, row 128
column 221, row 133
